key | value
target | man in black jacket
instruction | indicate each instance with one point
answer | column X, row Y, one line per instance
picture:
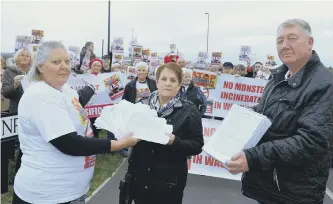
column 291, row 163
column 141, row 86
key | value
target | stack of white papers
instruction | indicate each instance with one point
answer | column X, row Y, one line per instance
column 241, row 129
column 143, row 122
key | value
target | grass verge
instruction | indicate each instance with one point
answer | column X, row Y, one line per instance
column 104, row 168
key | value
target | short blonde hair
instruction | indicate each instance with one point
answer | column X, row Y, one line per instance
column 17, row 54
column 188, row 71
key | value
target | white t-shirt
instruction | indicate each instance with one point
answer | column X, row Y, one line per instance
column 142, row 91
column 47, row 175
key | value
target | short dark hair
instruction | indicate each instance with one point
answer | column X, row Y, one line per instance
column 258, row 63
column 106, row 57
column 88, row 44
column 228, row 64
column 173, row 67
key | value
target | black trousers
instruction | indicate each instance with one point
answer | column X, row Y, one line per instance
column 17, row 200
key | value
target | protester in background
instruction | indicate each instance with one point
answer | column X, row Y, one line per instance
column 171, row 58
column 107, row 64
column 88, row 46
column 3, row 65
column 192, row 93
column 228, row 68
column 95, row 67
column 158, row 173
column 240, row 70
column 58, row 150
column 264, row 72
column 256, row 66
column 141, row 86
column 292, row 161
column 116, row 67
column 12, row 76
column 12, row 88
column 181, row 62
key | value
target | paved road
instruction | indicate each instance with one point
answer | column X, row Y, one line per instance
column 199, row 190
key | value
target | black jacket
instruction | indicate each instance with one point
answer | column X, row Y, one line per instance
column 297, row 148
column 195, row 95
column 155, row 165
column 8, row 90
column 130, row 89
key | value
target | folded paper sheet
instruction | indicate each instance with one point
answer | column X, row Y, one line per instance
column 126, row 117
column 241, row 129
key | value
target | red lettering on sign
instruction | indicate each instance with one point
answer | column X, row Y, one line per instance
column 227, row 106
column 197, row 159
column 217, row 105
column 208, row 132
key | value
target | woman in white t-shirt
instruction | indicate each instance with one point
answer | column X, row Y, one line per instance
column 55, row 135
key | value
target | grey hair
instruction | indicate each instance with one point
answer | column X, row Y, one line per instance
column 187, row 71
column 305, row 26
column 42, row 54
column 17, row 54
column 141, row 65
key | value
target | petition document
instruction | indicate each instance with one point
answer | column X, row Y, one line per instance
column 241, row 129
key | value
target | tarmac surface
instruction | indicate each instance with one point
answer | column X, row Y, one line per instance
column 199, row 190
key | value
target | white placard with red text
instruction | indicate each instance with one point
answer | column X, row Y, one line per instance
column 232, row 90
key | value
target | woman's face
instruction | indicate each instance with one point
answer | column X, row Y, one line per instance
column 24, row 58
column 56, row 69
column 142, row 73
column 186, row 78
column 96, row 67
column 228, row 70
column 168, row 84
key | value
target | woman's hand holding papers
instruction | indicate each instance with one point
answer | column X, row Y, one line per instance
column 238, row 164
column 124, row 142
column 172, row 138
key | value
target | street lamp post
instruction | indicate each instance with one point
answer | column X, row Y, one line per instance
column 109, row 27
column 207, row 31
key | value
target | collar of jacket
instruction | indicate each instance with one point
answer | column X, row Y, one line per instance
column 295, row 81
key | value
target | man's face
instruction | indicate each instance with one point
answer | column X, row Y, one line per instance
column 106, row 63
column 257, row 67
column 228, row 70
column 91, row 48
column 293, row 44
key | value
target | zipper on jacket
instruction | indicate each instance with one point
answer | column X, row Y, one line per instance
column 269, row 94
column 275, row 178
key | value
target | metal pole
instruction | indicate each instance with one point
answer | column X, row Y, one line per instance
column 109, row 27
column 102, row 48
column 207, row 32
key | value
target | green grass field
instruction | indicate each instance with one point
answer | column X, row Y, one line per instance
column 104, row 168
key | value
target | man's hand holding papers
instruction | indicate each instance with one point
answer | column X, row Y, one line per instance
column 237, row 164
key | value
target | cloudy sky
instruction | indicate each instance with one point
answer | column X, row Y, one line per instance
column 161, row 23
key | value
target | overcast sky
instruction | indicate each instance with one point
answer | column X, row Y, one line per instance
column 159, row 24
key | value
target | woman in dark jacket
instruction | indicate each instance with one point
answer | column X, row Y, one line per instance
column 193, row 93
column 158, row 173
column 141, row 86
column 12, row 76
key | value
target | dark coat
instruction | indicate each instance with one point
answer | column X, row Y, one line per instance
column 155, row 168
column 195, row 95
column 297, row 149
column 130, row 89
column 8, row 90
